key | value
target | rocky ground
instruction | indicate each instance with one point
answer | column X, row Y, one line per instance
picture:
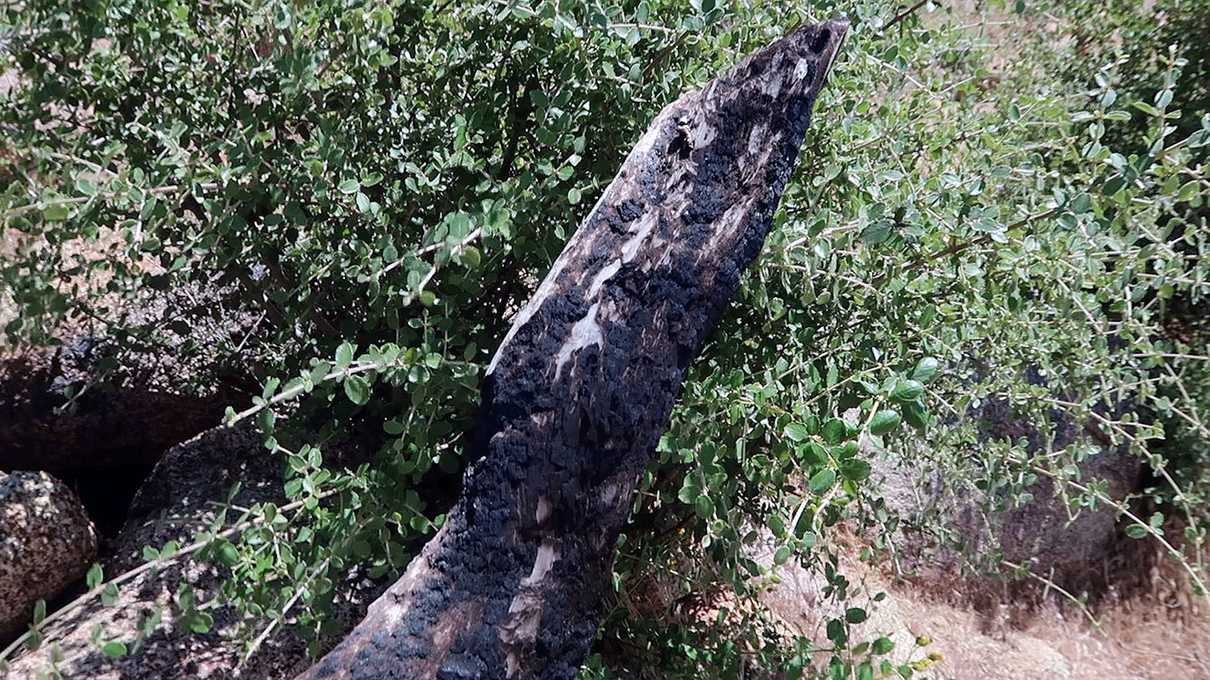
column 1157, row 632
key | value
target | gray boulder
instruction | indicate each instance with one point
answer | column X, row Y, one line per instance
column 100, row 400
column 182, row 494
column 46, row 543
column 1032, row 524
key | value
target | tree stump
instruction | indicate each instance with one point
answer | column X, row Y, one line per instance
column 580, row 390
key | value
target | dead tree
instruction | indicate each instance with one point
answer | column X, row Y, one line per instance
column 581, row 388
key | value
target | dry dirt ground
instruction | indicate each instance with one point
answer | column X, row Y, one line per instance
column 1157, row 632
column 1135, row 640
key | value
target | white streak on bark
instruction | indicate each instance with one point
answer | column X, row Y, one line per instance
column 543, row 561
column 543, row 510
column 641, row 231
column 584, row 333
column 602, row 276
column 520, row 629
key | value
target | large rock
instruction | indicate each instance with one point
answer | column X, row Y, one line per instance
column 110, row 424
column 46, row 543
column 989, row 530
column 97, row 402
column 181, row 495
column 965, row 644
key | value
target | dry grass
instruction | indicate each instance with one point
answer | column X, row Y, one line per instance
column 1157, row 633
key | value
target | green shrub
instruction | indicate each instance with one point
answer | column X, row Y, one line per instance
column 385, row 183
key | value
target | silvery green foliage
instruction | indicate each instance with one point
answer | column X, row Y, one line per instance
column 385, row 183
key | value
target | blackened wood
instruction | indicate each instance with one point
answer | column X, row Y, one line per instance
column 580, row 390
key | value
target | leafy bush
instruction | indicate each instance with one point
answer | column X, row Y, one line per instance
column 385, row 182
column 1150, row 38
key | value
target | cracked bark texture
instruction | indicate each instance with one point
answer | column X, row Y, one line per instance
column 581, row 388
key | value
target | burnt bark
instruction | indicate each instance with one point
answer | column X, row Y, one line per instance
column 581, row 388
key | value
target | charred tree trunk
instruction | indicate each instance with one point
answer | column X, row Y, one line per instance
column 580, row 390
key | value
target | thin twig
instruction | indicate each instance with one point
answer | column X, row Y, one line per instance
column 298, row 591
column 905, row 14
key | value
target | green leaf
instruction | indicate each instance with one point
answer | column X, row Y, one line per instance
column 1113, row 185
column 823, row 480
column 690, row 490
column 1187, row 191
column 114, row 650
column 85, row 186
column 344, row 356
column 883, row 645
column 846, row 450
column 270, row 388
column 94, row 577
column 854, row 469
column 471, row 256
column 56, row 212
column 227, row 554
column 834, row 431
column 814, row 454
column 855, row 615
column 836, row 632
column 321, row 369
column 357, row 389
column 777, row 525
column 925, row 369
column 884, row 421
column 109, row 594
column 1148, row 109
column 363, row 202
column 1136, row 531
column 200, row 622
column 876, row 233
column 1156, row 520
column 349, row 186
column 797, row 432
column 915, row 415
column 783, row 555
column 908, row 390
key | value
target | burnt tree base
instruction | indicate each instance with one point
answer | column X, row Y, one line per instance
column 580, row 390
